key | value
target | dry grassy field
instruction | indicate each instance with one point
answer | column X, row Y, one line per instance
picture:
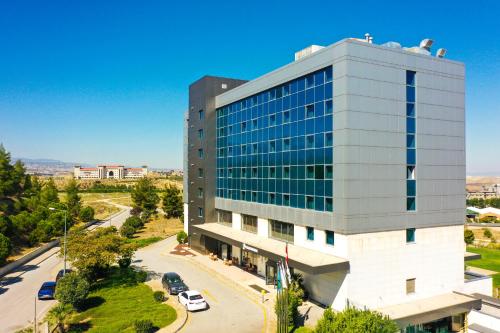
column 475, row 183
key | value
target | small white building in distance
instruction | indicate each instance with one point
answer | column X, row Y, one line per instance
column 109, row 172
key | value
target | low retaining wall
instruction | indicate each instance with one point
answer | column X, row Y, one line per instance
column 41, row 250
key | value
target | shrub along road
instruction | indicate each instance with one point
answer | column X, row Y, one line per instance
column 18, row 290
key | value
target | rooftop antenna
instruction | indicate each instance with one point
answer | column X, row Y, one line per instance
column 367, row 37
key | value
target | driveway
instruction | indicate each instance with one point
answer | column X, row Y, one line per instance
column 230, row 309
column 19, row 289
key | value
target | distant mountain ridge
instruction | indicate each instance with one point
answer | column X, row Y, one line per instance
column 48, row 162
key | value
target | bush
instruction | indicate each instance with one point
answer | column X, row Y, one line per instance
column 72, row 289
column 127, row 230
column 87, row 214
column 136, row 211
column 159, row 296
column 141, row 277
column 487, row 233
column 143, row 326
column 468, row 236
column 134, row 221
column 5, row 248
column 182, row 237
column 355, row 320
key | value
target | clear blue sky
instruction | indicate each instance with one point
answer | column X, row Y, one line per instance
column 106, row 81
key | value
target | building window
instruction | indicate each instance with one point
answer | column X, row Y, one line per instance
column 243, row 172
column 200, row 192
column 286, row 172
column 272, row 172
column 328, row 107
column 200, row 153
column 328, row 172
column 330, row 237
column 329, row 204
column 200, row 134
column 328, row 139
column 286, row 116
column 286, row 144
column 310, row 141
column 286, row 200
column 411, row 151
column 224, row 217
column 310, row 202
column 410, row 286
column 200, row 173
column 310, row 171
column 201, row 114
column 255, row 148
column 254, row 173
column 281, row 231
column 272, row 120
column 310, row 111
column 200, row 212
column 272, row 146
column 410, row 235
column 272, row 198
column 310, row 233
column 249, row 223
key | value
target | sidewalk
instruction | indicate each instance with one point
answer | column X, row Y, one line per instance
column 237, row 278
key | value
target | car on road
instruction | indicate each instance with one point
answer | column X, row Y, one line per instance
column 60, row 274
column 173, row 283
column 192, row 300
column 47, row 290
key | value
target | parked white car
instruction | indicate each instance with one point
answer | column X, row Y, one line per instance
column 192, row 300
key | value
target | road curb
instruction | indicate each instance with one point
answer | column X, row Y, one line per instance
column 186, row 315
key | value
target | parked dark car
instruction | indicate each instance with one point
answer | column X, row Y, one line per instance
column 173, row 283
column 47, row 290
column 60, row 274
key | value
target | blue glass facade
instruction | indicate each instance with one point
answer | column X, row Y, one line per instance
column 411, row 152
column 276, row 147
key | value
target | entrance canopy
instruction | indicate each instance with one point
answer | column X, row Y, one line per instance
column 309, row 261
column 430, row 309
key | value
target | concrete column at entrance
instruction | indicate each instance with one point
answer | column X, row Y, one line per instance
column 263, row 227
column 236, row 221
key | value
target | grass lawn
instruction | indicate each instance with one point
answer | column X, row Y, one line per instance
column 160, row 226
column 490, row 259
column 116, row 302
column 143, row 242
column 303, row 329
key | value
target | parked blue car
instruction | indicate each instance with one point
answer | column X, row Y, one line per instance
column 47, row 290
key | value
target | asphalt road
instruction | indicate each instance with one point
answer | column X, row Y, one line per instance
column 230, row 309
column 19, row 289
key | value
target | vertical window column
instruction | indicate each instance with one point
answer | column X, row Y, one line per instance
column 411, row 144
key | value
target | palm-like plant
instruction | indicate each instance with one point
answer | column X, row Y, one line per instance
column 58, row 315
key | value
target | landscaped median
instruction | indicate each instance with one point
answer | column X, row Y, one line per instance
column 117, row 302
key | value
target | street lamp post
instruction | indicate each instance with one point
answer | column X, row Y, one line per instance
column 65, row 233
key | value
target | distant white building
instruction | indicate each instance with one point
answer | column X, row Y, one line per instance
column 109, row 172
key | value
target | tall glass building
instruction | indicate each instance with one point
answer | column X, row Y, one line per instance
column 276, row 147
column 352, row 157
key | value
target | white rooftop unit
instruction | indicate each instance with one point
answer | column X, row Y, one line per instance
column 307, row 51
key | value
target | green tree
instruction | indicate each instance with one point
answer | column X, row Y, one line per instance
column 134, row 221
column 7, row 181
column 73, row 200
column 144, row 196
column 353, row 320
column 58, row 316
column 182, row 237
column 487, row 233
column 87, row 214
column 5, row 248
column 5, row 225
column 48, row 194
column 92, row 253
column 172, row 202
column 127, row 230
column 72, row 289
column 468, row 237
